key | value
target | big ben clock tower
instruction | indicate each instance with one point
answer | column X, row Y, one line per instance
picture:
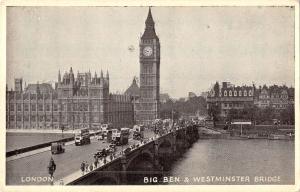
column 149, row 73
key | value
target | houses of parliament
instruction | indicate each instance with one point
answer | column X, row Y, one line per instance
column 83, row 100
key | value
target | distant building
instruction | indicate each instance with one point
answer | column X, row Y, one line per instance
column 133, row 90
column 81, row 102
column 228, row 96
column 262, row 97
column 164, row 97
column 182, row 99
column 277, row 97
column 191, row 95
column 204, row 94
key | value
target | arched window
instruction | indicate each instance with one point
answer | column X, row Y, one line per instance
column 245, row 93
column 225, row 93
column 250, row 93
column 230, row 93
column 235, row 93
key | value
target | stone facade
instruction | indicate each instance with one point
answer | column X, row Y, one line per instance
column 277, row 97
column 148, row 105
column 228, row 96
column 81, row 102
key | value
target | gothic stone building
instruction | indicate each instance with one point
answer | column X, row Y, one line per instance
column 81, row 102
column 148, row 105
column 228, row 96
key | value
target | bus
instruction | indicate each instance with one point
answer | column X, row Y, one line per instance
column 138, row 132
column 82, row 136
column 105, row 128
column 122, row 136
column 112, row 134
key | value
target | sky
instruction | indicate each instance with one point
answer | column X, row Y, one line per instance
column 199, row 45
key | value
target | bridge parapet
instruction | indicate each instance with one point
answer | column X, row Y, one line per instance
column 153, row 157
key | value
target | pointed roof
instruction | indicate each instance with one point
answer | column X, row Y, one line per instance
column 133, row 90
column 107, row 74
column 149, row 32
column 149, row 20
column 59, row 76
column 42, row 88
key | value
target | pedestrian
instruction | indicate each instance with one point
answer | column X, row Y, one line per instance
column 91, row 167
column 82, row 167
column 110, row 157
column 104, row 160
column 96, row 162
column 86, row 166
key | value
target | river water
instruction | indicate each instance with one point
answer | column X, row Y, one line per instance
column 220, row 161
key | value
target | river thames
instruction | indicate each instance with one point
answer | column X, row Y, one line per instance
column 221, row 161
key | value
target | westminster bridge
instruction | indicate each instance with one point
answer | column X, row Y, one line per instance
column 151, row 159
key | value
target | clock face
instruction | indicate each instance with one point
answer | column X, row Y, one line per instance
column 147, row 51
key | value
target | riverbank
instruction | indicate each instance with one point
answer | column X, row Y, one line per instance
column 38, row 131
column 208, row 133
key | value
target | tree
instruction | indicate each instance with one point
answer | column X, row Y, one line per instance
column 233, row 114
column 214, row 112
column 287, row 116
column 180, row 107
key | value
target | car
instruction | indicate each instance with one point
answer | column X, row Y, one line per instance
column 102, row 152
column 127, row 150
column 112, row 148
column 57, row 148
column 100, row 137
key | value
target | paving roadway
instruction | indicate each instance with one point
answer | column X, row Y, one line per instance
column 30, row 169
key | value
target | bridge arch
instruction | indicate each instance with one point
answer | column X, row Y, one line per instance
column 165, row 153
column 140, row 166
column 144, row 156
column 165, row 142
column 107, row 180
column 180, row 141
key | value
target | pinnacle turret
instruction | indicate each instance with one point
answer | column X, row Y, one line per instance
column 59, row 76
column 107, row 75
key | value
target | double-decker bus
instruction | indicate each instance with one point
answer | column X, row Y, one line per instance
column 112, row 134
column 82, row 136
column 122, row 136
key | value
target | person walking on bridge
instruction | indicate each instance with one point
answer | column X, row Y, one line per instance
column 86, row 167
column 82, row 167
column 91, row 167
column 96, row 161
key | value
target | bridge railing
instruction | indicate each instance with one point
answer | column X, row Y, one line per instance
column 78, row 174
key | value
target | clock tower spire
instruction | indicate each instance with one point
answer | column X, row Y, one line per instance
column 149, row 103
column 149, row 32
